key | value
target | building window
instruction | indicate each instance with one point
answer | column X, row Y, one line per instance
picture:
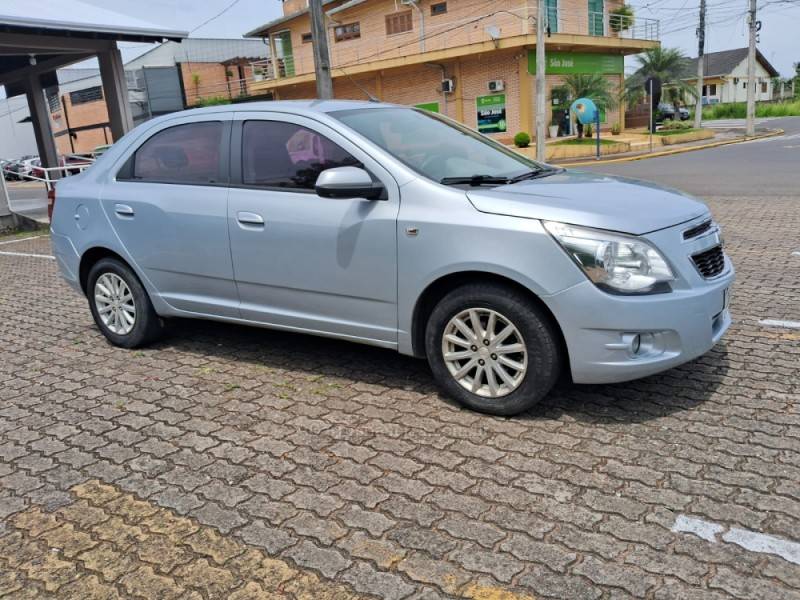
column 744, row 85
column 399, row 23
column 86, row 95
column 306, row 38
column 187, row 154
column 349, row 31
column 439, row 8
column 287, row 156
column 763, row 87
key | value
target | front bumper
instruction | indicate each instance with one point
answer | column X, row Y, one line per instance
column 674, row 328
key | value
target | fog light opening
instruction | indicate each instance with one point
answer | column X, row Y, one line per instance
column 636, row 344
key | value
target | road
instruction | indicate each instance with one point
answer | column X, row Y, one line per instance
column 228, row 462
column 761, row 168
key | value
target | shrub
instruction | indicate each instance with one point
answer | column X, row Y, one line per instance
column 522, row 140
column 675, row 125
column 738, row 110
column 621, row 18
column 213, row 101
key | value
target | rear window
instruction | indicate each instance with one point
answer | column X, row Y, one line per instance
column 187, row 154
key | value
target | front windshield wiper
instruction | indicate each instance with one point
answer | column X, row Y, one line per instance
column 545, row 172
column 475, row 180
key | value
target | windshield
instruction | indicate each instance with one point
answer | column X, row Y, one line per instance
column 434, row 146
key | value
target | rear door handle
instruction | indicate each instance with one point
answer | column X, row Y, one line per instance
column 249, row 218
column 123, row 210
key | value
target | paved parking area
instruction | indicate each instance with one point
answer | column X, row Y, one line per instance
column 228, row 462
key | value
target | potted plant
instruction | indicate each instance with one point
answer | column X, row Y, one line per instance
column 616, row 129
column 620, row 19
column 553, row 130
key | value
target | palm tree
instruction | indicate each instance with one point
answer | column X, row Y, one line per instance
column 590, row 85
column 666, row 67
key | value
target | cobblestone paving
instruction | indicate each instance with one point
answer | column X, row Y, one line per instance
column 338, row 469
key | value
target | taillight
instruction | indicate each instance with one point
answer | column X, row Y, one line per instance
column 51, row 201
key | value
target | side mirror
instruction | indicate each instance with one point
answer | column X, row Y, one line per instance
column 348, row 182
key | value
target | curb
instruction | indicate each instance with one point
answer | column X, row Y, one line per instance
column 773, row 133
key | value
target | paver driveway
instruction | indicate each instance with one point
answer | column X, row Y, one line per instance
column 243, row 463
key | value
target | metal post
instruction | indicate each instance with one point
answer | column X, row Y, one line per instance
column 540, row 80
column 701, row 43
column 650, row 102
column 597, row 127
column 322, row 61
column 751, row 72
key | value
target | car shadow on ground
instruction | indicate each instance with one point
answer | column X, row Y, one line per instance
column 676, row 390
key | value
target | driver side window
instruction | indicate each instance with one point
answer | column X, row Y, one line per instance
column 287, row 156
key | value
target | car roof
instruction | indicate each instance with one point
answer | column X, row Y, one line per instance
column 292, row 106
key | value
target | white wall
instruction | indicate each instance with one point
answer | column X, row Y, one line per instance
column 16, row 139
column 737, row 92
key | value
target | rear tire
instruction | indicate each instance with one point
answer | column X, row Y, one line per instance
column 492, row 349
column 120, row 305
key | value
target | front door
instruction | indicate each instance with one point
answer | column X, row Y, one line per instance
column 168, row 207
column 301, row 261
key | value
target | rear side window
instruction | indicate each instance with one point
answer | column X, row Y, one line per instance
column 182, row 154
column 284, row 155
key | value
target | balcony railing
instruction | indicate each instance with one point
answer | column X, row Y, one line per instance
column 492, row 26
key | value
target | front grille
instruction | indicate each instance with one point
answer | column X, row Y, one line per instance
column 710, row 262
column 693, row 232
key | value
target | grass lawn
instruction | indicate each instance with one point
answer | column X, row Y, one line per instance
column 676, row 131
column 583, row 142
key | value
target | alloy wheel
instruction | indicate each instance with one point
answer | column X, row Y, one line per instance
column 485, row 352
column 114, row 303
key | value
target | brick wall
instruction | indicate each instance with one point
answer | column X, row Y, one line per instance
column 208, row 80
column 86, row 114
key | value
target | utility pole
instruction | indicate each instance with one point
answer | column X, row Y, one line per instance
column 701, row 45
column 541, row 107
column 322, row 60
column 751, row 71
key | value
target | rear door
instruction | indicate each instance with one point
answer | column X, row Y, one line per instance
column 302, row 261
column 168, row 206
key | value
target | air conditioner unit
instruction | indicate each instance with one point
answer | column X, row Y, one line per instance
column 498, row 85
column 448, row 86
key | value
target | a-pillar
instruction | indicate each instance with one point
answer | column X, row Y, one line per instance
column 115, row 89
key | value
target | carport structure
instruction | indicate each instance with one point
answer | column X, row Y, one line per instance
column 37, row 39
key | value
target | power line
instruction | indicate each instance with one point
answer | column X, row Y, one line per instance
column 216, row 16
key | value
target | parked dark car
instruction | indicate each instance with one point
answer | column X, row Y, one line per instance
column 668, row 112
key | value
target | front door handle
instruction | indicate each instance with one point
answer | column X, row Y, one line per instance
column 249, row 218
column 123, row 210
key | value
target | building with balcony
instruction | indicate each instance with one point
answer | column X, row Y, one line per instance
column 473, row 60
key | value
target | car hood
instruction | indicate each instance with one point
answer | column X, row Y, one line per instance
column 591, row 200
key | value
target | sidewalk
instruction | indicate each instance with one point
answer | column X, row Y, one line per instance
column 642, row 144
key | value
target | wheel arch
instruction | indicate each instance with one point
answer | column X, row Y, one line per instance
column 91, row 257
column 438, row 288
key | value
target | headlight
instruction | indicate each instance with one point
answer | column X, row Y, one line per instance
column 621, row 264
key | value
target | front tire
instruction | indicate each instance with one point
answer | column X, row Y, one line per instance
column 492, row 349
column 120, row 305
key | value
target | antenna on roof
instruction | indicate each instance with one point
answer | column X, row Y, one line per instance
column 355, row 83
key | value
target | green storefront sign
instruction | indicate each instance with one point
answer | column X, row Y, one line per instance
column 429, row 106
column 563, row 63
column 491, row 113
